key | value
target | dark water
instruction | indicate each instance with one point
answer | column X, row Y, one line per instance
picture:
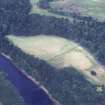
column 30, row 92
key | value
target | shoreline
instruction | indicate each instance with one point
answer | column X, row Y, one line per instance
column 33, row 80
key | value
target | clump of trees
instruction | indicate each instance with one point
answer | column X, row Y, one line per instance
column 67, row 85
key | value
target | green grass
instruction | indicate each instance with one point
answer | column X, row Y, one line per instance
column 44, row 12
column 67, row 86
column 93, row 8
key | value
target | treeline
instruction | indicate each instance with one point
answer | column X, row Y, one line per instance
column 89, row 33
column 64, row 84
column 67, row 85
column 84, row 30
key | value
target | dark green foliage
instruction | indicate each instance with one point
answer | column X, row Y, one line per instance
column 66, row 85
column 11, row 13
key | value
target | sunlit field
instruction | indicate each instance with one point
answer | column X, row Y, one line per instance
column 60, row 53
column 94, row 8
column 35, row 9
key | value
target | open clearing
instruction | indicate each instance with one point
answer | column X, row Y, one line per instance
column 61, row 53
column 44, row 12
column 93, row 8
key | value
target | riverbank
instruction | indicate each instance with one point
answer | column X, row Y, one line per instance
column 63, row 85
column 22, row 82
column 8, row 93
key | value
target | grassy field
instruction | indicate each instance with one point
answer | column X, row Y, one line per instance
column 54, row 50
column 65, row 85
column 35, row 9
column 94, row 8
column 61, row 53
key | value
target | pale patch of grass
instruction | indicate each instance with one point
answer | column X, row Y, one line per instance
column 77, row 59
column 53, row 50
column 41, row 46
column 36, row 10
column 93, row 8
column 61, row 53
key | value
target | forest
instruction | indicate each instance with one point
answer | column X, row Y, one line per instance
column 65, row 85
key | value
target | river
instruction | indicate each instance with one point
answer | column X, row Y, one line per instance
column 31, row 93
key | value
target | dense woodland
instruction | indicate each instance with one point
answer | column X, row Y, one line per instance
column 68, row 86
